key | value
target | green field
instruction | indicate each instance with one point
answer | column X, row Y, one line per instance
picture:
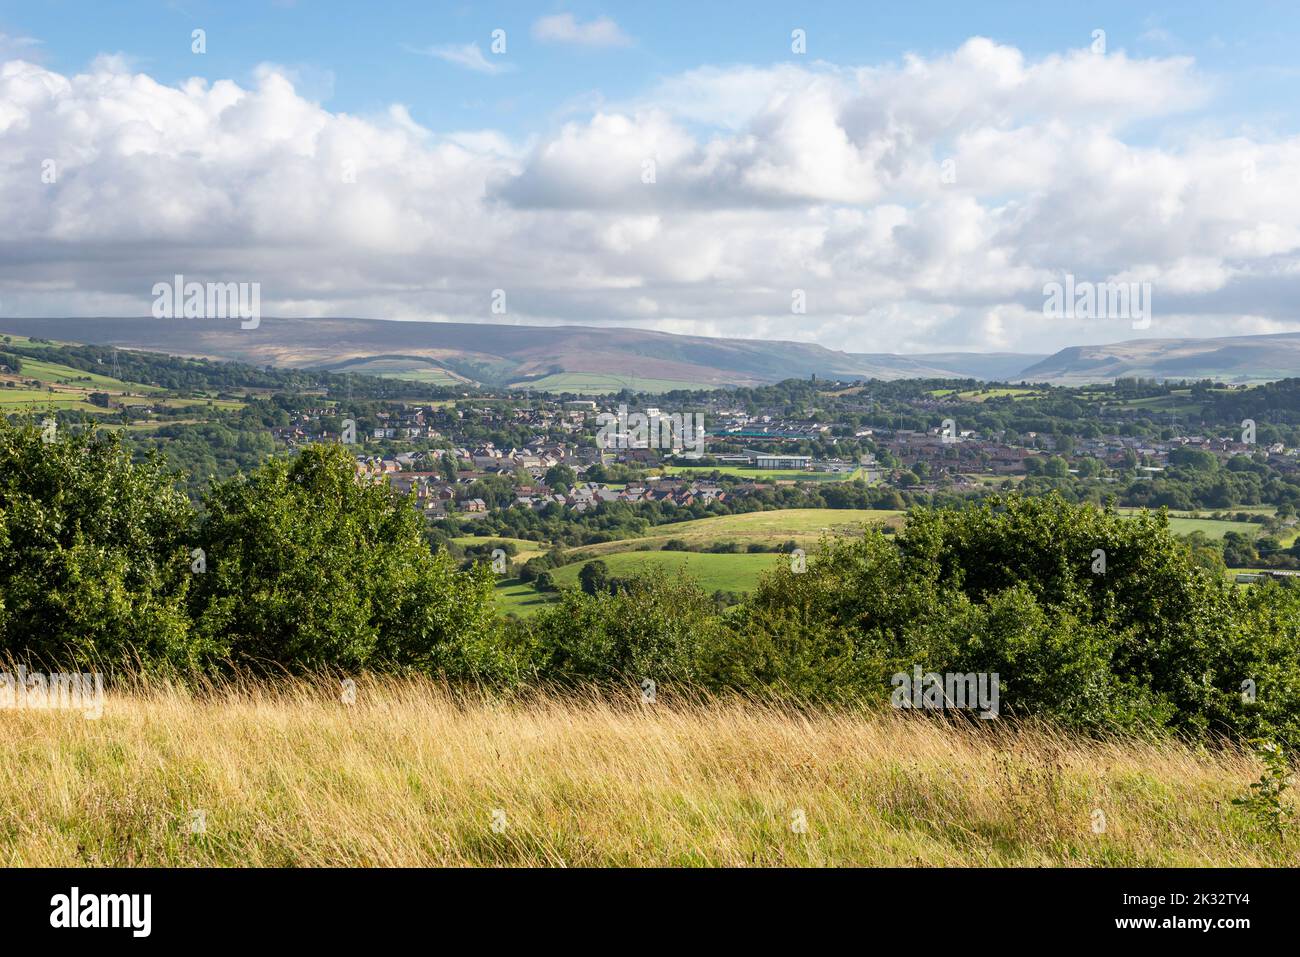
column 13, row 400
column 804, row 525
column 513, row 595
column 426, row 376
column 1213, row 528
column 53, row 373
column 728, row 572
column 980, row 395
column 72, row 389
column 596, row 383
column 411, row 369
column 1174, row 403
column 725, row 571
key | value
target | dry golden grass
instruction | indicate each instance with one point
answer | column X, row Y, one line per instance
column 411, row 775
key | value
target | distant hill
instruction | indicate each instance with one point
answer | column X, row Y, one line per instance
column 1232, row 359
column 993, row 366
column 577, row 358
column 599, row 359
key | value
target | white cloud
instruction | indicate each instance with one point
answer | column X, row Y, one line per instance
column 467, row 55
column 17, row 46
column 563, row 28
column 830, row 179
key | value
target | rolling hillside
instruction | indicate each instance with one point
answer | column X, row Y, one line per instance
column 594, row 360
column 1231, row 359
column 558, row 358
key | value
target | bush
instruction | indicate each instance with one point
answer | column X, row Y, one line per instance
column 309, row 567
column 296, row 566
column 93, row 552
column 593, row 577
column 1010, row 586
column 652, row 627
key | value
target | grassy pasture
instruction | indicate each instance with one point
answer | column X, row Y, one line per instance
column 412, row 369
column 728, row 572
column 1213, row 528
column 53, row 373
column 20, row 400
column 519, row 597
column 803, row 525
column 410, row 775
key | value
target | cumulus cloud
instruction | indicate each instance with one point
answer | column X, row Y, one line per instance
column 919, row 206
column 563, row 28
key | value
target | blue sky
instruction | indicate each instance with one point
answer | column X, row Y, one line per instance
column 356, row 57
column 915, row 180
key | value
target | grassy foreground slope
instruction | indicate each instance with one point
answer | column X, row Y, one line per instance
column 408, row 776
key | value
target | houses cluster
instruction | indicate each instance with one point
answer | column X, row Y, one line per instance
column 1114, row 450
column 435, row 496
column 308, row 425
column 535, row 458
column 450, row 450
column 409, row 423
column 589, row 495
column 966, row 451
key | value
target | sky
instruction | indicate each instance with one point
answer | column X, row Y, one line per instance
column 901, row 177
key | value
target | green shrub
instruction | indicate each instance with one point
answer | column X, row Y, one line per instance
column 309, row 567
column 1014, row 586
column 652, row 627
column 94, row 559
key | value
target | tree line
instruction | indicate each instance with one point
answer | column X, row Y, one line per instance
column 1090, row 620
